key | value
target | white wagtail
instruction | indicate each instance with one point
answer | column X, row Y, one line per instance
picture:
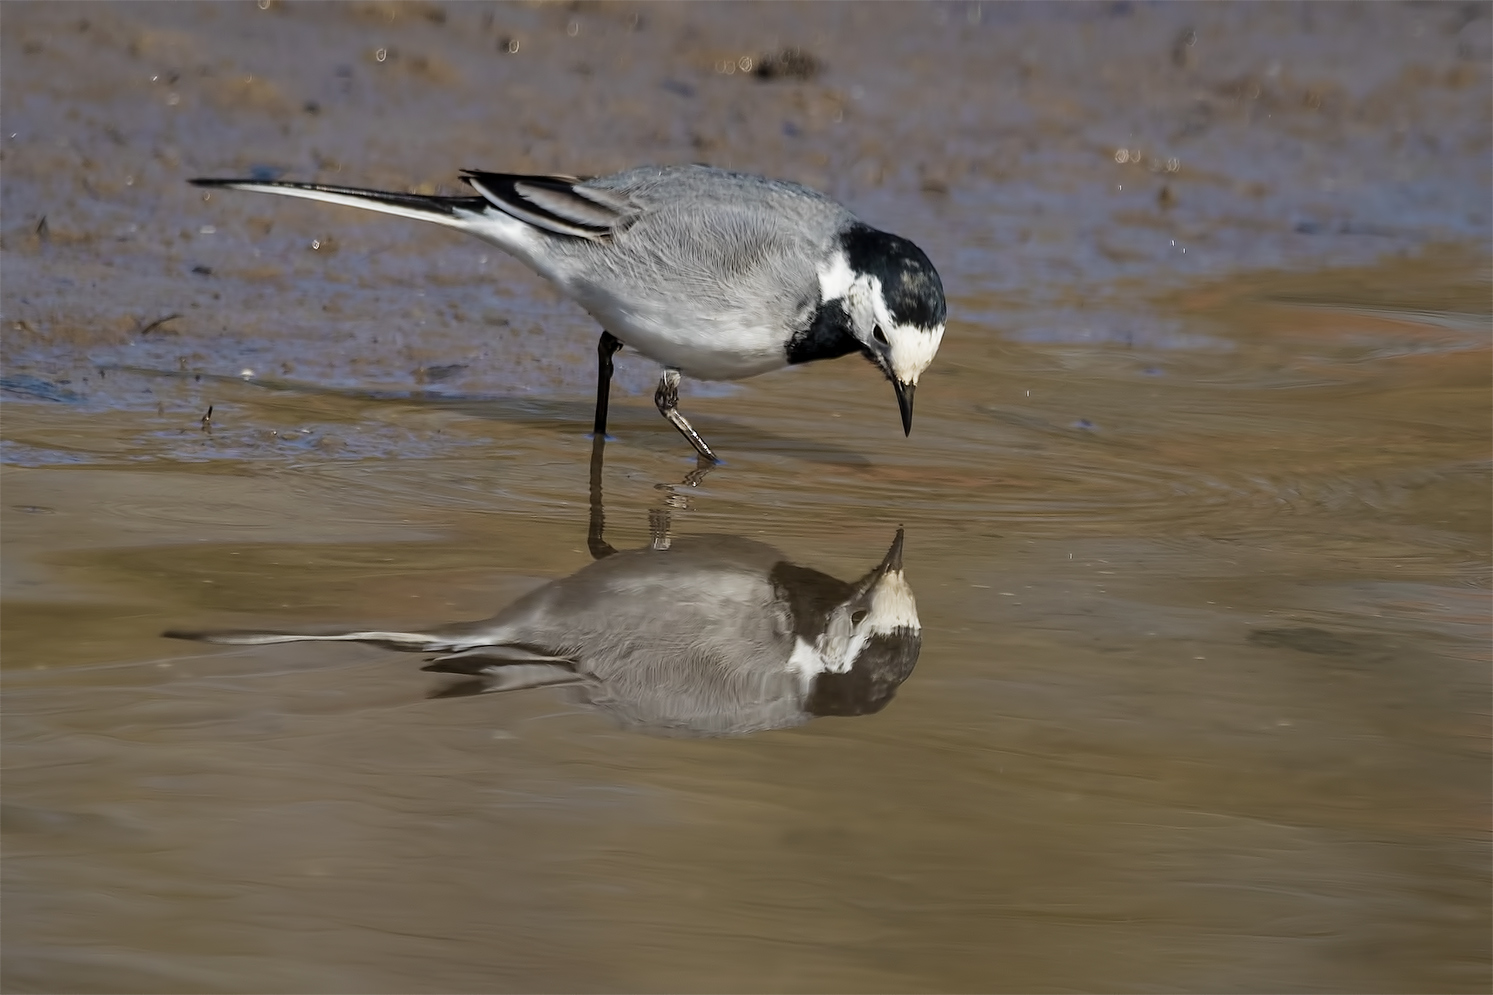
column 713, row 274
column 709, row 636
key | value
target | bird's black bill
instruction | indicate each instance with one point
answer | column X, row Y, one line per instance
column 904, row 401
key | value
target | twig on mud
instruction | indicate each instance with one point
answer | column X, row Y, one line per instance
column 147, row 329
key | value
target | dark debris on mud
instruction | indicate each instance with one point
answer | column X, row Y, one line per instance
column 788, row 63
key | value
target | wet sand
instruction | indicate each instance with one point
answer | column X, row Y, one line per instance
column 1199, row 539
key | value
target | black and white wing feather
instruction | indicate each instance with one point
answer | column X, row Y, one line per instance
column 563, row 205
column 559, row 205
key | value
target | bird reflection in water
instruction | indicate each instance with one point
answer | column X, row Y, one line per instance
column 711, row 635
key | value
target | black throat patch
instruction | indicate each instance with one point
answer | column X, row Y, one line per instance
column 885, row 661
column 828, row 335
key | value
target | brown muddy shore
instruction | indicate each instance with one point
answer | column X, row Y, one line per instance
column 1197, row 505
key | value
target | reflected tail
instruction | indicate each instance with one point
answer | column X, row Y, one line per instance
column 411, row 642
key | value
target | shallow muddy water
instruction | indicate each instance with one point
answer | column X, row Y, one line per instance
column 1199, row 540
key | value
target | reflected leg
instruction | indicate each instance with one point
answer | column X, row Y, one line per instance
column 660, row 519
column 598, row 546
column 606, row 347
column 667, row 399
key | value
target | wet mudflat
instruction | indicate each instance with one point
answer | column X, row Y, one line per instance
column 1199, row 539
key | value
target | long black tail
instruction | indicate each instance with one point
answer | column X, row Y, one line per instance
column 409, row 205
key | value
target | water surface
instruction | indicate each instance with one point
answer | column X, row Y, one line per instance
column 1199, row 541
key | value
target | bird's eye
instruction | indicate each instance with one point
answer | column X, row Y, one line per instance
column 879, row 334
column 858, row 617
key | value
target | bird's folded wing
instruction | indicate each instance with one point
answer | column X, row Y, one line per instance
column 502, row 668
column 482, row 659
column 520, row 677
column 563, row 205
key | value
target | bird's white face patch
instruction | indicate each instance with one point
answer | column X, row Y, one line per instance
column 909, row 349
column 835, row 278
column 912, row 348
column 806, row 661
column 892, row 607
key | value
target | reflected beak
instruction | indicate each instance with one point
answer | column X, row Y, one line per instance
column 904, row 401
column 892, row 562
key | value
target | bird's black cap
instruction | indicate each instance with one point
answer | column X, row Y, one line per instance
column 909, row 283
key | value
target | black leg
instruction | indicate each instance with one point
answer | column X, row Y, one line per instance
column 667, row 399
column 606, row 347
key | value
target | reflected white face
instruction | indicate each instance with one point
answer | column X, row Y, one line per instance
column 902, row 350
column 888, row 608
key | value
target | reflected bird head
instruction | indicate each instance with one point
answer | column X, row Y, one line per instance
column 867, row 646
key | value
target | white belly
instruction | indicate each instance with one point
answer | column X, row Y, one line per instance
column 703, row 347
